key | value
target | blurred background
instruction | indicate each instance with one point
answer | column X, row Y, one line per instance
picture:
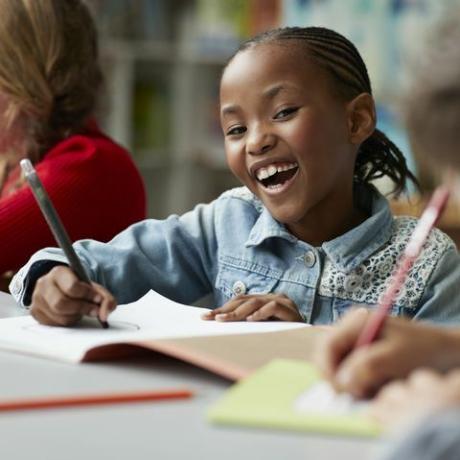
column 163, row 58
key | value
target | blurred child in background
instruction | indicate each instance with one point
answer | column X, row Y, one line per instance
column 428, row 356
column 50, row 80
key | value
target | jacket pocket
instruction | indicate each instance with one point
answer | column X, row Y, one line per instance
column 238, row 276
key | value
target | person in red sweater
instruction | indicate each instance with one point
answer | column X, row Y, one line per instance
column 49, row 82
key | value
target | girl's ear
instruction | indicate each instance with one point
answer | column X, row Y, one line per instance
column 361, row 118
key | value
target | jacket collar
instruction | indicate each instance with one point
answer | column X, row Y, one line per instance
column 349, row 250
column 267, row 226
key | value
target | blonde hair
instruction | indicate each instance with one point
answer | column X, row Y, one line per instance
column 49, row 70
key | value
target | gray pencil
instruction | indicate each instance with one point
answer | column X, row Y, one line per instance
column 55, row 224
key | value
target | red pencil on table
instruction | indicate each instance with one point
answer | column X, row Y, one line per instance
column 418, row 238
column 92, row 399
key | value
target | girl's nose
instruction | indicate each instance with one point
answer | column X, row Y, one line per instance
column 259, row 143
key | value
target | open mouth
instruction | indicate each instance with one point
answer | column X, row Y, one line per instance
column 275, row 176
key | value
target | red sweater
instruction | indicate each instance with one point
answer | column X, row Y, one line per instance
column 92, row 182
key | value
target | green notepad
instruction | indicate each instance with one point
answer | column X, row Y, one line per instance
column 274, row 397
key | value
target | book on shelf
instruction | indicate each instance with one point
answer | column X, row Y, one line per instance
column 136, row 20
column 151, row 118
column 232, row 350
column 221, row 25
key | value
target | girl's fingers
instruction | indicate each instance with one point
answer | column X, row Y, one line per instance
column 339, row 342
column 71, row 286
column 422, row 393
column 365, row 370
column 226, row 308
column 423, row 377
column 454, row 377
column 60, row 304
column 241, row 312
column 393, row 392
column 107, row 303
column 41, row 317
column 59, row 299
column 383, row 406
column 265, row 312
column 280, row 309
column 42, row 313
column 256, row 308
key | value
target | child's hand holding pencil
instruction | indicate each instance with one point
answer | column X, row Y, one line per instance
column 402, row 346
column 61, row 299
column 63, row 296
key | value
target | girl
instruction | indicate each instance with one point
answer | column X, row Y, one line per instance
column 49, row 82
column 306, row 238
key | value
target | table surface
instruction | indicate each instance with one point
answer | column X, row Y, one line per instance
column 158, row 430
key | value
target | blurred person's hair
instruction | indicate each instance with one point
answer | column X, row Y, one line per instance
column 49, row 70
column 432, row 103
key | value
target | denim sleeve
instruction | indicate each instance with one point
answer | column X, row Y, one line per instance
column 436, row 438
column 440, row 302
column 175, row 257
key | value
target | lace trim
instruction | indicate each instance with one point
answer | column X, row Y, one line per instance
column 366, row 283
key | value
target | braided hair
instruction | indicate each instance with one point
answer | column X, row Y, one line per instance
column 378, row 156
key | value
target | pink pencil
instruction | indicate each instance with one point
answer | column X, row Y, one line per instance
column 430, row 216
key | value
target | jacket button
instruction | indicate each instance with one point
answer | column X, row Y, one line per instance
column 239, row 288
column 309, row 259
column 352, row 283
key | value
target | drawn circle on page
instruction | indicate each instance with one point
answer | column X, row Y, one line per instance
column 85, row 325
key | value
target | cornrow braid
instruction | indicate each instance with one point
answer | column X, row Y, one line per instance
column 377, row 155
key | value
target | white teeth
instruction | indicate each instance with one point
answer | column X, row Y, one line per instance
column 271, row 170
column 262, row 174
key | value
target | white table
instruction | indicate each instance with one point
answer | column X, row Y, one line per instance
column 153, row 431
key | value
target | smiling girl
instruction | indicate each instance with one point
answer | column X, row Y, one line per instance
column 308, row 235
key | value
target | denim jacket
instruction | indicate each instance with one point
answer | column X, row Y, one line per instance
column 234, row 246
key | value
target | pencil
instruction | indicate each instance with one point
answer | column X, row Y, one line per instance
column 55, row 224
column 430, row 216
column 92, row 399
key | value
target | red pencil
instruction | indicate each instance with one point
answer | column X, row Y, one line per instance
column 418, row 238
column 92, row 399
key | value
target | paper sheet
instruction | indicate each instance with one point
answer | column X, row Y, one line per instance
column 151, row 317
column 321, row 398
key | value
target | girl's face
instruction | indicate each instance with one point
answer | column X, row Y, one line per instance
column 287, row 134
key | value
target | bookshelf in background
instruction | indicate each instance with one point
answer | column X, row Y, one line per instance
column 162, row 61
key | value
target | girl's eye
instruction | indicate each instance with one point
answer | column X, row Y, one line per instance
column 235, row 131
column 285, row 113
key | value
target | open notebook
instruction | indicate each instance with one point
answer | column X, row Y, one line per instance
column 154, row 322
column 290, row 395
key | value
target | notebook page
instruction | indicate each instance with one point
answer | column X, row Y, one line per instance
column 322, row 398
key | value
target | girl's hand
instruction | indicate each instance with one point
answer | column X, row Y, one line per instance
column 257, row 307
column 60, row 299
column 402, row 346
column 424, row 393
